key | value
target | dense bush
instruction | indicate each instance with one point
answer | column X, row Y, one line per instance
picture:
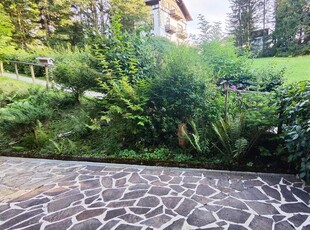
column 294, row 108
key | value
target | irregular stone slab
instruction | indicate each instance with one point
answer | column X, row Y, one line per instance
column 34, row 227
column 151, row 171
column 171, row 202
column 134, row 194
column 63, row 203
column 263, row 208
column 288, row 195
column 304, row 196
column 176, row 225
column 295, row 208
column 56, row 191
column 284, row 225
column 150, row 177
column 201, row 199
column 87, row 214
column 20, row 218
column 250, row 194
column 65, row 224
column 107, row 182
column 272, row 192
column 140, row 211
column 175, row 180
column 149, row 201
column 10, row 213
column 232, row 202
column 165, row 178
column 159, row 191
column 33, row 202
column 157, row 221
column 33, row 193
column 90, row 184
column 28, row 222
column 237, row 185
column 200, row 218
column 188, row 193
column 233, row 215
column 213, row 208
column 91, row 199
column 155, row 212
column 90, row 224
column 120, row 182
column 236, row 227
column 139, row 187
column 110, row 225
column 119, row 204
column 252, row 183
column 278, row 218
column 205, row 190
column 260, row 222
column 112, row 194
column 94, row 168
column 186, row 207
column 120, row 175
column 298, row 219
column 177, row 188
column 63, row 214
column 127, row 227
column 136, row 179
column 130, row 218
column 114, row 213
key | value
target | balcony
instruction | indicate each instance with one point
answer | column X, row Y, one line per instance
column 182, row 35
column 175, row 14
column 170, row 29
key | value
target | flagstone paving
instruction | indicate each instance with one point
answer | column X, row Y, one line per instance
column 45, row 194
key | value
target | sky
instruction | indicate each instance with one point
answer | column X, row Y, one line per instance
column 213, row 10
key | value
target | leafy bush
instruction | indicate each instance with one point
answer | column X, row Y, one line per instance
column 226, row 63
column 179, row 93
column 293, row 102
column 74, row 71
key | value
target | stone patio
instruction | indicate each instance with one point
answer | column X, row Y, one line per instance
column 45, row 194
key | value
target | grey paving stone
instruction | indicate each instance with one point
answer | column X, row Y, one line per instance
column 63, row 202
column 284, row 225
column 65, row 224
column 306, row 227
column 200, row 218
column 34, row 220
column 171, row 202
column 278, row 218
column 114, row 213
column 271, row 192
column 140, row 211
column 107, row 182
column 112, row 194
column 304, row 196
column 157, row 222
column 288, row 195
column 134, row 194
column 205, row 190
column 176, row 225
column 298, row 219
column 262, row 223
column 186, row 207
column 10, row 213
column 159, row 191
column 109, row 225
column 127, row 227
column 155, row 212
column 136, row 179
column 263, row 208
column 177, row 188
column 295, row 208
column 130, row 218
column 63, row 214
column 149, row 201
column 236, row 227
column 90, row 224
column 90, row 184
column 87, row 214
column 232, row 202
column 120, row 175
column 233, row 215
column 252, row 183
column 250, row 194
column 201, row 199
column 139, row 187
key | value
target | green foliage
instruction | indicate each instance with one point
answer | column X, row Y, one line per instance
column 20, row 116
column 226, row 63
column 293, row 102
column 6, row 30
column 74, row 71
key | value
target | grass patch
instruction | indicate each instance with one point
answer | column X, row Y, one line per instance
column 9, row 87
column 297, row 68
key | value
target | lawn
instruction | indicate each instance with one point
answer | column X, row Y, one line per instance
column 10, row 87
column 297, row 68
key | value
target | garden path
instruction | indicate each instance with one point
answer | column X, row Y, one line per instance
column 48, row 194
column 43, row 83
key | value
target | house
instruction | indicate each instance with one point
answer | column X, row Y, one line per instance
column 170, row 19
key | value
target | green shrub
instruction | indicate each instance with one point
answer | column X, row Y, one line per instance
column 293, row 102
column 74, row 71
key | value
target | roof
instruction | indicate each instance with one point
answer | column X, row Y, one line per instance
column 180, row 3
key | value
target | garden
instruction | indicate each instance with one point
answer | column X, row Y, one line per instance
column 204, row 106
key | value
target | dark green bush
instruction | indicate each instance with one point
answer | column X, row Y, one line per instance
column 293, row 102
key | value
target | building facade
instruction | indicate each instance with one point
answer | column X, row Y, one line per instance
column 170, row 19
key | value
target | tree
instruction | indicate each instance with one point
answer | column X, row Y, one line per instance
column 6, row 30
column 293, row 30
column 132, row 12
column 242, row 20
